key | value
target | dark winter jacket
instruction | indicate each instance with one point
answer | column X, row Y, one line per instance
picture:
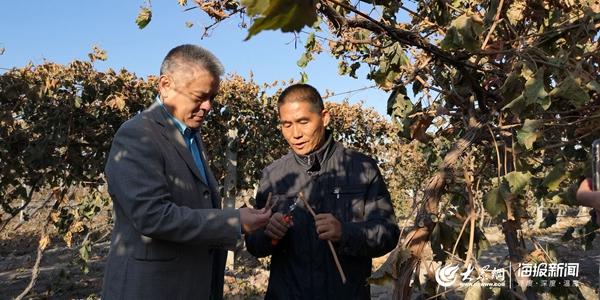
column 334, row 180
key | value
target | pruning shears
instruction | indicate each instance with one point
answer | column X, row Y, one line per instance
column 287, row 218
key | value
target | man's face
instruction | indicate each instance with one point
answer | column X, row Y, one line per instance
column 189, row 96
column 302, row 128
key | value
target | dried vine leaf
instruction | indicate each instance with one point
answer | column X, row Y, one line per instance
column 571, row 90
column 387, row 273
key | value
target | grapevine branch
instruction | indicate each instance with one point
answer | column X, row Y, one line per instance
column 335, row 258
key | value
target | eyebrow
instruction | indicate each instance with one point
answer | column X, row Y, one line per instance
column 295, row 120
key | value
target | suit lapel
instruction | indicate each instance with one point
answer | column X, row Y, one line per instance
column 174, row 137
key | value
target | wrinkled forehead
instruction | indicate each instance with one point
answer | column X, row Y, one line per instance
column 196, row 75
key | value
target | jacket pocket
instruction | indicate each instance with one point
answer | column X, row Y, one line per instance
column 350, row 202
column 151, row 279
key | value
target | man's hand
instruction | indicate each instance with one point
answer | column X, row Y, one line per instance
column 328, row 227
column 587, row 197
column 277, row 226
column 252, row 219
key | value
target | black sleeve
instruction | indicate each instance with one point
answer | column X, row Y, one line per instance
column 378, row 233
column 258, row 243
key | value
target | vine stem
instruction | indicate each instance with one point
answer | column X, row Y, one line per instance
column 469, row 165
column 496, row 19
column 335, row 258
column 35, row 271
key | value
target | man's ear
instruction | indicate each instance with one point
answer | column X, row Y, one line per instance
column 326, row 117
column 164, row 85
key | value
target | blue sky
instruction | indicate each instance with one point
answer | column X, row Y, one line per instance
column 61, row 31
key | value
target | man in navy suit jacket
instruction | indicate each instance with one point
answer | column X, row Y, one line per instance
column 170, row 232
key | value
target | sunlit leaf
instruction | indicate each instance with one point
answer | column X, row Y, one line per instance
column 287, row 15
column 464, row 33
column 44, row 242
column 144, row 17
column 517, row 181
column 256, row 7
column 310, row 41
column 571, row 90
column 515, row 12
column 303, row 77
column 493, row 201
column 534, row 87
column 529, row 133
column 97, row 54
column 303, row 61
column 399, row 105
column 555, row 177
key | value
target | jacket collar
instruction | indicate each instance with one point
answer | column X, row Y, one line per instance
column 183, row 129
column 172, row 133
column 313, row 161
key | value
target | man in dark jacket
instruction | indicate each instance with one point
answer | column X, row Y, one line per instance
column 348, row 194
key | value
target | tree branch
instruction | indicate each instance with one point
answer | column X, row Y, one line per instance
column 403, row 36
column 410, row 38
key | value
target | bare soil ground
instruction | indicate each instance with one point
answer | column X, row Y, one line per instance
column 61, row 276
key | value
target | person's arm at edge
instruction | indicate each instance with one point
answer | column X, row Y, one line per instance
column 588, row 197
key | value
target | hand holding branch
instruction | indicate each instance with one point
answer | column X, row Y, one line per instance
column 335, row 258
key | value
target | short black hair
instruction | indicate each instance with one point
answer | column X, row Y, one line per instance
column 302, row 92
column 186, row 56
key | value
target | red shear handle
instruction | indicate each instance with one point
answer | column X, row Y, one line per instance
column 287, row 218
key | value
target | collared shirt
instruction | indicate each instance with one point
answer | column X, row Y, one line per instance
column 189, row 136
